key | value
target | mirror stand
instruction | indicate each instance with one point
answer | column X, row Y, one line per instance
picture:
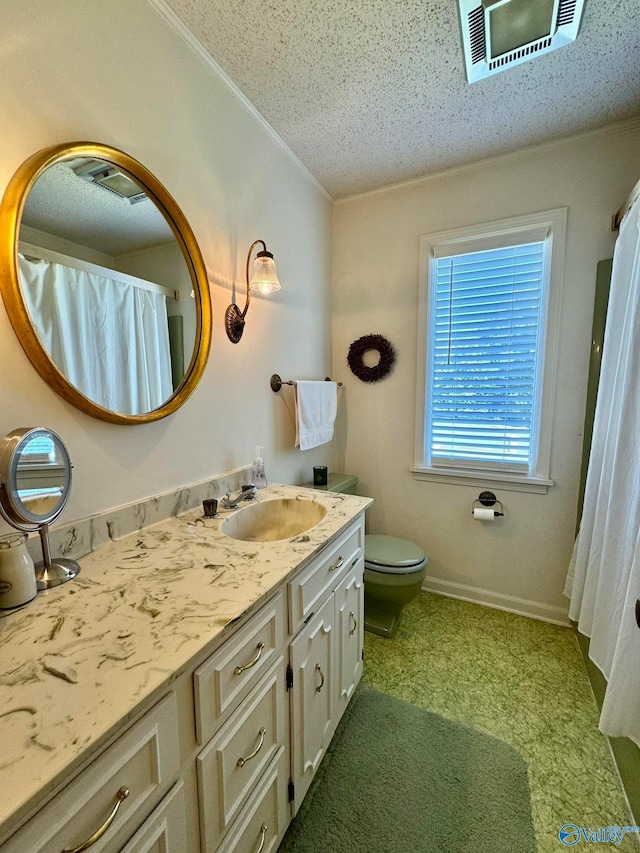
column 35, row 483
column 53, row 572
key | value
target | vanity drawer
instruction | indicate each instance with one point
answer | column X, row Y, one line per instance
column 144, row 761
column 262, row 822
column 309, row 587
column 230, row 673
column 165, row 830
column 231, row 765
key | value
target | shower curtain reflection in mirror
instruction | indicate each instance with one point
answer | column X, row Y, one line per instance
column 107, row 336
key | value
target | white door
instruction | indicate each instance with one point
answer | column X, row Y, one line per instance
column 312, row 697
column 349, row 603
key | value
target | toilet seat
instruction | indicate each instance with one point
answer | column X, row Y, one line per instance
column 392, row 555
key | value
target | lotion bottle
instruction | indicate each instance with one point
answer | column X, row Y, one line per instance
column 258, row 476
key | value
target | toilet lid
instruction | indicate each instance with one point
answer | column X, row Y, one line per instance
column 387, row 551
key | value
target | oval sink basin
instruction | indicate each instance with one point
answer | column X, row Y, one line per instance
column 272, row 520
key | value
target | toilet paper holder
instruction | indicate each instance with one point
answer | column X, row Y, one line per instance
column 488, row 499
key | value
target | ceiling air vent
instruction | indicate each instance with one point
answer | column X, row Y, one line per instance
column 109, row 177
column 477, row 38
column 497, row 34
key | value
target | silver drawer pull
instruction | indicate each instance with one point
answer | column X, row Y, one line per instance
column 355, row 624
column 263, row 832
column 242, row 761
column 338, row 565
column 122, row 795
column 318, row 669
column 240, row 669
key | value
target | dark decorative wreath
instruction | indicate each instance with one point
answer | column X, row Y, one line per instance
column 371, row 342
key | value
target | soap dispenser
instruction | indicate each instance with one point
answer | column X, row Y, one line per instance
column 258, row 476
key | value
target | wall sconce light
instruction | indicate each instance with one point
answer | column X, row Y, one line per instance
column 264, row 280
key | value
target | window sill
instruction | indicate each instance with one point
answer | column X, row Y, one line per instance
column 503, row 480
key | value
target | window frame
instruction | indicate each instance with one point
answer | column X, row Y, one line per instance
column 548, row 226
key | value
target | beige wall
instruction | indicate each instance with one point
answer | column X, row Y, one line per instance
column 117, row 73
column 519, row 562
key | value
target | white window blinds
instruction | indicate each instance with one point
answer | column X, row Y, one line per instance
column 485, row 339
column 39, row 450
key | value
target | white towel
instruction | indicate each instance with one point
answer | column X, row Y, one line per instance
column 316, row 408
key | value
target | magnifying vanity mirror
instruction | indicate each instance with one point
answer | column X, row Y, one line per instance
column 104, row 283
column 35, row 483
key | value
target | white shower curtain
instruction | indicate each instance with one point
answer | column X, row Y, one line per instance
column 604, row 575
column 108, row 337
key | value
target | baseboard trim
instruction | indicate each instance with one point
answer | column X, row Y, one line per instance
column 519, row 606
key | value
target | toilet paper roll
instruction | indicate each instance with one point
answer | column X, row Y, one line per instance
column 484, row 514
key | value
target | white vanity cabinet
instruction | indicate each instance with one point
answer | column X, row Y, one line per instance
column 231, row 672
column 312, row 697
column 349, row 616
column 233, row 763
column 254, row 772
column 114, row 795
column 222, row 761
column 326, row 653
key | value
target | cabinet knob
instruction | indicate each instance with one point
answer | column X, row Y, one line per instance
column 320, row 672
column 263, row 835
column 242, row 761
column 355, row 623
column 240, row 669
column 121, row 795
column 338, row 565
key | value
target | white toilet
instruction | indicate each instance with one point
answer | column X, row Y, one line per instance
column 394, row 570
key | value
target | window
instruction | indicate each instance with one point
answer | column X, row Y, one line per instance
column 40, row 468
column 488, row 316
column 39, row 450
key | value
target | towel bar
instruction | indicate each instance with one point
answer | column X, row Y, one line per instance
column 276, row 382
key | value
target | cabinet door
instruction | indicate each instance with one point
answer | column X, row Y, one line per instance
column 349, row 604
column 312, row 697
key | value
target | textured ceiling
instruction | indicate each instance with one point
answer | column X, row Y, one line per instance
column 373, row 92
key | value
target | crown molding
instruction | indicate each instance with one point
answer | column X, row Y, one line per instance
column 203, row 54
column 605, row 130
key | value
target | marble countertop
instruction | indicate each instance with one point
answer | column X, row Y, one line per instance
column 86, row 656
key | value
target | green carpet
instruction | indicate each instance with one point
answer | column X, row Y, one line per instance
column 398, row 779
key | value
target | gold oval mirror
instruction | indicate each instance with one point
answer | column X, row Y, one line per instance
column 104, row 283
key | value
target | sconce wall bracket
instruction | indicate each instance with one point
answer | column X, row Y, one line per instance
column 234, row 322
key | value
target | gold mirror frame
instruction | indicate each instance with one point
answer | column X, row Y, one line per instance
column 11, row 210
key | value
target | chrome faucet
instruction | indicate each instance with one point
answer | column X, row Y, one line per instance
column 246, row 493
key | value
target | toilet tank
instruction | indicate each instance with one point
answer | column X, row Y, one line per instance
column 344, row 483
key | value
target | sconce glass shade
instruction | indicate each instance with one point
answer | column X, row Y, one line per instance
column 264, row 278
